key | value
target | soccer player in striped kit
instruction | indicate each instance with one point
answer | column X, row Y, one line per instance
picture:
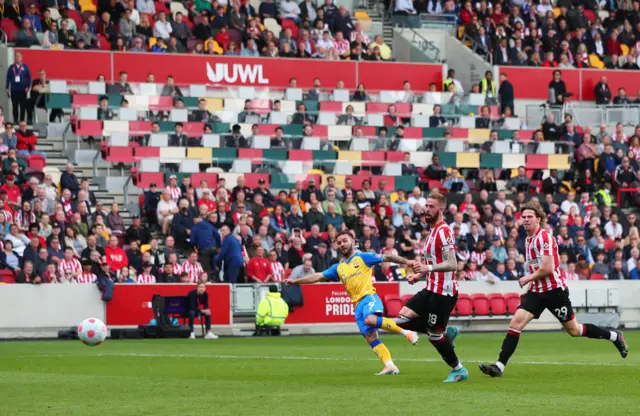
column 429, row 310
column 547, row 290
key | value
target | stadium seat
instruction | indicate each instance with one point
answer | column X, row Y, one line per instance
column 480, row 304
column 596, row 276
column 497, row 303
column 7, row 276
column 513, row 301
column 405, row 298
column 393, row 304
column 36, row 162
column 464, row 305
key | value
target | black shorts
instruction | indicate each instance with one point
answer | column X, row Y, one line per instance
column 557, row 301
column 433, row 310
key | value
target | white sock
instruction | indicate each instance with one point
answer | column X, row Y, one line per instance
column 613, row 337
column 500, row 366
column 389, row 364
column 404, row 332
column 458, row 366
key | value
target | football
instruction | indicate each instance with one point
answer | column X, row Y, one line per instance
column 92, row 332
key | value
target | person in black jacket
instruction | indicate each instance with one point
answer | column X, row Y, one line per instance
column 199, row 307
column 136, row 232
column 178, row 139
column 551, row 185
column 69, row 181
column 602, row 92
column 506, row 94
column 321, row 259
column 181, row 224
column 559, row 87
column 150, row 205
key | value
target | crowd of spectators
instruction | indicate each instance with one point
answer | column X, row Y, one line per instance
column 211, row 27
column 545, row 33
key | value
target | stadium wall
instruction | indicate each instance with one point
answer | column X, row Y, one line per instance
column 30, row 311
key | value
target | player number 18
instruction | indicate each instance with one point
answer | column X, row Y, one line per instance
column 432, row 318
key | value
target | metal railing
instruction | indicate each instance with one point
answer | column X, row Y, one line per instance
column 628, row 115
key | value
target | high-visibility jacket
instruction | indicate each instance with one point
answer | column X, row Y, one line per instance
column 486, row 87
column 272, row 310
column 604, row 196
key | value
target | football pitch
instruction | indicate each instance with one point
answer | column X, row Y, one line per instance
column 550, row 374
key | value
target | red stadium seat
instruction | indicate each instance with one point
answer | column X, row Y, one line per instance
column 464, row 305
column 139, row 127
column 9, row 27
column 609, row 244
column 405, row 298
column 76, row 17
column 193, row 129
column 146, row 178
column 290, row 24
column 596, row 276
column 395, row 156
column 161, row 103
column 301, row 155
column 84, row 100
column 413, row 133
column 320, row 131
column 146, row 152
column 89, row 128
column 498, row 304
column 331, row 107
column 7, row 276
column 255, row 155
column 120, row 154
column 459, row 133
column 480, row 304
column 393, row 304
column 267, row 129
column 367, row 131
column 513, row 301
column 251, row 179
column 36, row 162
column 105, row 45
column 308, row 177
column 211, row 178
column 537, row 162
column 373, row 158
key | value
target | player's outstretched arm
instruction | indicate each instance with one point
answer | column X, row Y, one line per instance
column 392, row 258
column 312, row 278
column 546, row 268
column 450, row 264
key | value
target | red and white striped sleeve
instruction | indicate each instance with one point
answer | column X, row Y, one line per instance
column 546, row 244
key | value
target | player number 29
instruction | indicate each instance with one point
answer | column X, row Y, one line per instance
column 432, row 318
column 561, row 312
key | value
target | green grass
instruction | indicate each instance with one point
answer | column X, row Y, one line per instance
column 550, row 374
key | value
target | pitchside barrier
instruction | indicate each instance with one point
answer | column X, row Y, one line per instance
column 41, row 310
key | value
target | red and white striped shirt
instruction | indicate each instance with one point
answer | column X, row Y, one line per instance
column 72, row 265
column 277, row 271
column 439, row 242
column 571, row 276
column 146, row 278
column 478, row 257
column 86, row 278
column 175, row 193
column 194, row 270
column 543, row 244
column 177, row 269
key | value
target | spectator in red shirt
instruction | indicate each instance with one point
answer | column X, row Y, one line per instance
column 223, row 37
column 27, row 142
column 13, row 192
column 116, row 257
column 258, row 268
column 466, row 14
column 207, row 201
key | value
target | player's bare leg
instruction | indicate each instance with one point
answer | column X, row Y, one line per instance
column 576, row 329
column 519, row 321
column 390, row 325
column 383, row 354
column 440, row 343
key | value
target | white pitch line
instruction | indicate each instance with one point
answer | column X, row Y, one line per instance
column 302, row 358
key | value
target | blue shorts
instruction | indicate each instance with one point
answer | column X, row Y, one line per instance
column 368, row 305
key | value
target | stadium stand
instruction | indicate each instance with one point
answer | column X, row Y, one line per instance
column 270, row 160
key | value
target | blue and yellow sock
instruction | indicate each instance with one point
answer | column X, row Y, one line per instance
column 389, row 325
column 382, row 352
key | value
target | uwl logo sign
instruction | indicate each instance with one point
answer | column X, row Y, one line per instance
column 233, row 73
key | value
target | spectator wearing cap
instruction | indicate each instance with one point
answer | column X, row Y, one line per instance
column 12, row 192
column 267, row 196
column 311, row 189
column 321, row 259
